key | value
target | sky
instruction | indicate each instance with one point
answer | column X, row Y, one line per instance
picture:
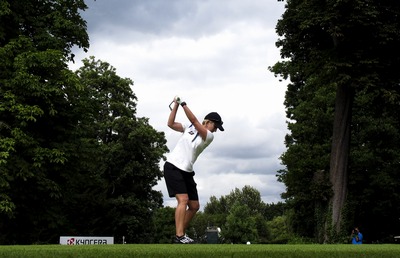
column 214, row 55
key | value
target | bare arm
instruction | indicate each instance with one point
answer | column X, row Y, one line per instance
column 171, row 119
column 192, row 118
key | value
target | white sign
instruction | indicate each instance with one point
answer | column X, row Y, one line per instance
column 82, row 240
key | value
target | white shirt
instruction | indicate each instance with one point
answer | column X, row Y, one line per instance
column 188, row 148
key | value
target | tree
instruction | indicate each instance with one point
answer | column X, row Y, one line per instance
column 343, row 48
column 130, row 151
column 74, row 158
column 373, row 179
column 247, row 196
column 273, row 210
column 279, row 230
column 234, row 207
column 164, row 225
column 35, row 43
column 201, row 223
column 240, row 225
column 36, row 38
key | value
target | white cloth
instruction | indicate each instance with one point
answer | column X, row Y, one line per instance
column 190, row 145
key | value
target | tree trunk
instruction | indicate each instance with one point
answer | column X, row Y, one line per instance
column 340, row 153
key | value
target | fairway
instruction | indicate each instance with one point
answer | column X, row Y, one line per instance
column 201, row 251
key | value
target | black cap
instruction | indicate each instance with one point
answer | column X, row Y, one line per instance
column 213, row 116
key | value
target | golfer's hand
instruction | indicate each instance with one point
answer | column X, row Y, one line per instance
column 177, row 100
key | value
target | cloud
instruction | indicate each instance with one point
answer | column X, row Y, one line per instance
column 183, row 18
column 215, row 55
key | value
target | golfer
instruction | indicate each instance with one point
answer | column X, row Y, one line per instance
column 178, row 169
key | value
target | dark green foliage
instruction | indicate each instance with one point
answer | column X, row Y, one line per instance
column 241, row 215
column 74, row 158
column 351, row 46
column 128, row 160
column 240, row 226
column 47, row 25
column 163, row 229
column 36, row 128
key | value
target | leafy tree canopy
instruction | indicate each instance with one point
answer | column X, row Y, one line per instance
column 342, row 104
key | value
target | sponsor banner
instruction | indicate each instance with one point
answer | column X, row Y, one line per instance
column 82, row 240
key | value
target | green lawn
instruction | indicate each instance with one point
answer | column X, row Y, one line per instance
column 201, row 251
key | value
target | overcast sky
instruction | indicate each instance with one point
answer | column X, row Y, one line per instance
column 214, row 54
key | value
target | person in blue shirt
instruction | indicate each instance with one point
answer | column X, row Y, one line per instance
column 356, row 237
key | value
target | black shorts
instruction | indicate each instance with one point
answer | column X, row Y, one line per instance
column 180, row 182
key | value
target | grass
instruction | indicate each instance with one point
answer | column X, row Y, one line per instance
column 201, row 251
